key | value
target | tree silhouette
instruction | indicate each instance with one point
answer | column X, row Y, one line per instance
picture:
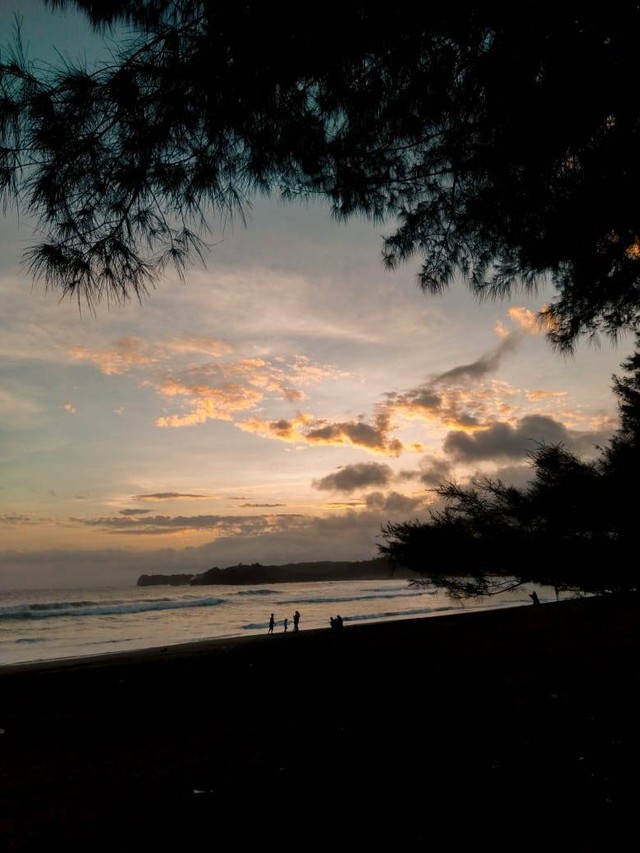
column 621, row 458
column 499, row 147
column 574, row 527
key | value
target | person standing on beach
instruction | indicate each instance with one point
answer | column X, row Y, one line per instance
column 272, row 623
column 296, row 621
column 286, row 625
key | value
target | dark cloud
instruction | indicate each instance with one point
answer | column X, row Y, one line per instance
column 392, row 502
column 239, row 525
column 589, row 444
column 352, row 477
column 518, row 476
column 282, row 428
column 289, row 538
column 134, row 512
column 372, row 437
column 505, row 441
column 169, row 496
column 486, row 364
column 451, row 405
column 434, row 471
column 17, row 518
column 261, row 506
column 424, row 398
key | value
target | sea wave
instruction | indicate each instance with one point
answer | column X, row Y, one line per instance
column 261, row 591
column 369, row 595
column 48, row 610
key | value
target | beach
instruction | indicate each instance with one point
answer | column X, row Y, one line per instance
column 512, row 729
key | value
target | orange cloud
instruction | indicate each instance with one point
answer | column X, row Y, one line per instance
column 374, row 438
column 526, row 320
column 453, row 407
column 200, row 345
column 127, row 353
column 209, row 404
column 308, row 430
column 547, row 319
column 538, row 395
column 284, row 429
column 212, row 388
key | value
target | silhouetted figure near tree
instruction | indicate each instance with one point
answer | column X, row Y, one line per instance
column 534, row 597
column 272, row 623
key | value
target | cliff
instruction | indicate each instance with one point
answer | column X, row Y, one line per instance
column 256, row 573
column 164, row 580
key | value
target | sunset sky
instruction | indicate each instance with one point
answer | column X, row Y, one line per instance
column 279, row 405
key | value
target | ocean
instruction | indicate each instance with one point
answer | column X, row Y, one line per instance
column 39, row 625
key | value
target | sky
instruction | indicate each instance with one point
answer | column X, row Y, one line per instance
column 281, row 404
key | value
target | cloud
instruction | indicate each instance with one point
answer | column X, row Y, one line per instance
column 220, row 390
column 209, row 404
column 198, row 344
column 293, row 396
column 393, row 502
column 134, row 512
column 261, row 506
column 131, row 352
column 485, row 365
column 352, row 477
column 283, row 429
column 169, row 496
column 127, row 353
column 373, row 437
column 434, row 470
column 449, row 407
column 307, row 430
column 456, row 398
column 515, row 475
column 208, row 386
column 501, row 440
column 526, row 320
column 226, row 525
column 537, row 396
column 352, row 535
column 17, row 519
column 424, row 399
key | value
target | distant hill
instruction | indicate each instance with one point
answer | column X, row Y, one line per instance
column 256, row 573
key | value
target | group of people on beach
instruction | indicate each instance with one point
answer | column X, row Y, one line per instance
column 336, row 622
column 296, row 623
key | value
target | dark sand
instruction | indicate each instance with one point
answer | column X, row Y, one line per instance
column 506, row 730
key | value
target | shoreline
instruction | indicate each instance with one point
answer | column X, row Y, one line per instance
column 207, row 645
column 465, row 726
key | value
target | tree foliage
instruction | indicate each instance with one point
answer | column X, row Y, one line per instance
column 573, row 527
column 501, row 147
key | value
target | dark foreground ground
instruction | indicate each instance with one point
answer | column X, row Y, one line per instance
column 509, row 730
